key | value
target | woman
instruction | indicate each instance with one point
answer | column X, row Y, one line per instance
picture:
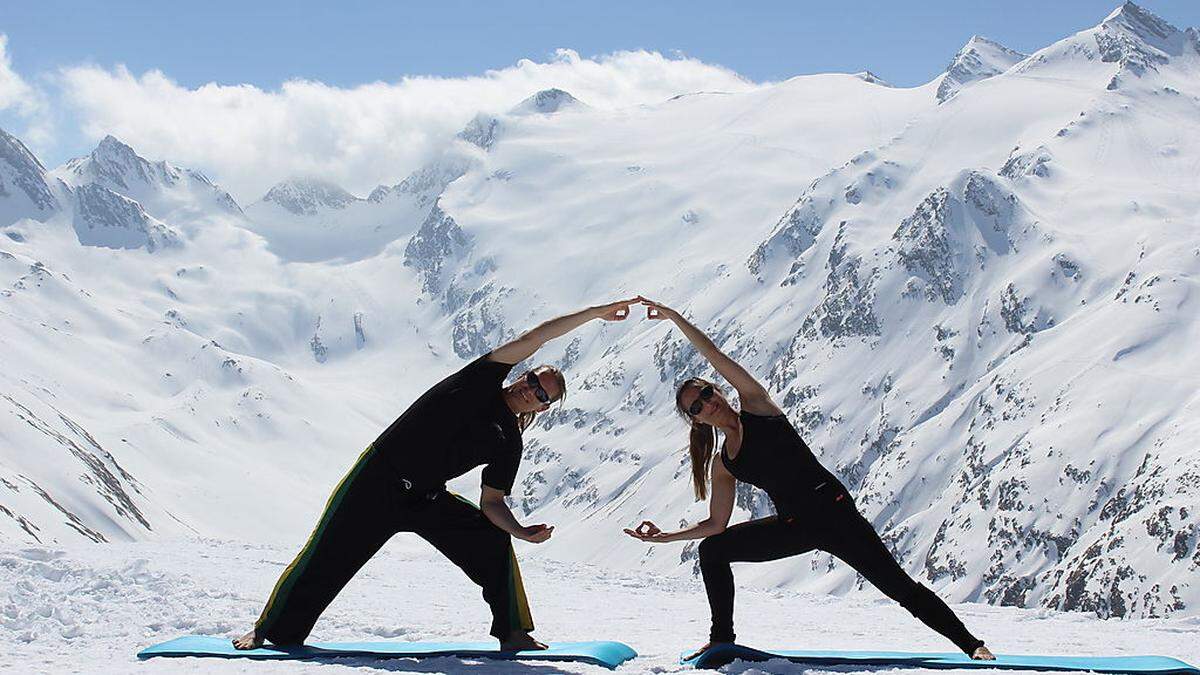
column 814, row 510
column 399, row 485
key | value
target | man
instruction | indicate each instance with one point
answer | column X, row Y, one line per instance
column 399, row 485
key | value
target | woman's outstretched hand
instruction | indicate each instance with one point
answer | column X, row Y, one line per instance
column 656, row 310
column 615, row 311
column 647, row 531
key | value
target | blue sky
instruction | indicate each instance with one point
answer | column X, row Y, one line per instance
column 254, row 92
column 352, row 42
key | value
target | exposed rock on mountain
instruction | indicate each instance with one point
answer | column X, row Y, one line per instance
column 306, row 196
column 979, row 59
column 25, row 190
column 546, row 102
column 161, row 187
column 105, row 218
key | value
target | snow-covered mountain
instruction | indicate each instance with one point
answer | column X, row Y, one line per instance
column 977, row 306
column 305, row 197
column 1138, row 42
column 312, row 220
column 25, row 190
column 161, row 188
column 979, row 59
column 548, row 101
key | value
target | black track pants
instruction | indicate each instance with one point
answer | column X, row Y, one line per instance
column 365, row 510
column 842, row 532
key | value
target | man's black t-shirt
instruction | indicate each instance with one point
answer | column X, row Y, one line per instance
column 460, row 423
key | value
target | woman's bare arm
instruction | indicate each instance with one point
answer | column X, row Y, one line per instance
column 752, row 393
column 720, row 508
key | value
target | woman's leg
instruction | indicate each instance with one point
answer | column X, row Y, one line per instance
column 460, row 531
column 357, row 521
column 753, row 541
column 853, row 540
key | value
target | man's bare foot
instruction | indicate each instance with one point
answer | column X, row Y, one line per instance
column 250, row 640
column 703, row 649
column 519, row 641
column 982, row 653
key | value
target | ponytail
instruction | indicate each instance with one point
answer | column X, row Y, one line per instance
column 702, row 439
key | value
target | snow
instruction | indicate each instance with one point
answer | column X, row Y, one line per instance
column 91, row 608
column 979, row 59
column 978, row 311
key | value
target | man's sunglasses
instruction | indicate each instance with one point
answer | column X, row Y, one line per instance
column 706, row 393
column 532, row 380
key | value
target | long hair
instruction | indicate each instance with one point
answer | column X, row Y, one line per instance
column 526, row 418
column 701, row 440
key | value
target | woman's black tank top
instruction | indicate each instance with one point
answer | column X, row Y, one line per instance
column 774, row 458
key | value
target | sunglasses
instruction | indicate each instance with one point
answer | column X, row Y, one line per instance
column 532, row 380
column 706, row 393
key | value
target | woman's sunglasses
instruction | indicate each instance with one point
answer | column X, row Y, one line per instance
column 706, row 393
column 532, row 380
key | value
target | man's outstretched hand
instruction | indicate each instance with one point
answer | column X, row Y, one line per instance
column 615, row 311
column 537, row 533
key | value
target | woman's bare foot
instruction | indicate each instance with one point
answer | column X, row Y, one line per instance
column 982, row 653
column 250, row 640
column 703, row 649
column 519, row 641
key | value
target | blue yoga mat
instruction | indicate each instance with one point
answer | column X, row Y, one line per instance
column 1115, row 665
column 610, row 654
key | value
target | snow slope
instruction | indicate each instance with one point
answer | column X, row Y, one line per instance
column 91, row 608
column 977, row 308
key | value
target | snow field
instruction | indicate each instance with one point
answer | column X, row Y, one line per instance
column 89, row 609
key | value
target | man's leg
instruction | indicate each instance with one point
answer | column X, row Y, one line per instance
column 356, row 523
column 754, row 541
column 460, row 531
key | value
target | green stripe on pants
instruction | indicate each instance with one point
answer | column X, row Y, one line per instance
column 287, row 580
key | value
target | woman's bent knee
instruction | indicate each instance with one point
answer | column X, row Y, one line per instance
column 711, row 550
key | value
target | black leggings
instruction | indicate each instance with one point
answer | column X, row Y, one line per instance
column 365, row 510
column 842, row 532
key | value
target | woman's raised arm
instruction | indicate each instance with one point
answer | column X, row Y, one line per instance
column 753, row 394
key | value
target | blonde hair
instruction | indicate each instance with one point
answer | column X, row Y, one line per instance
column 525, row 419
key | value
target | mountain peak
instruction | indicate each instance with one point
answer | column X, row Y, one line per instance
column 979, row 59
column 21, row 169
column 14, row 152
column 1138, row 41
column 111, row 143
column 1140, row 21
column 1131, row 37
column 117, row 166
column 978, row 42
column 481, row 131
column 547, row 101
column 872, row 78
column 304, row 196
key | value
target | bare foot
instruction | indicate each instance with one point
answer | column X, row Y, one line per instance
column 519, row 641
column 982, row 653
column 703, row 649
column 250, row 640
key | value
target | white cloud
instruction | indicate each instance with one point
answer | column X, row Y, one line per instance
column 18, row 97
column 250, row 138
